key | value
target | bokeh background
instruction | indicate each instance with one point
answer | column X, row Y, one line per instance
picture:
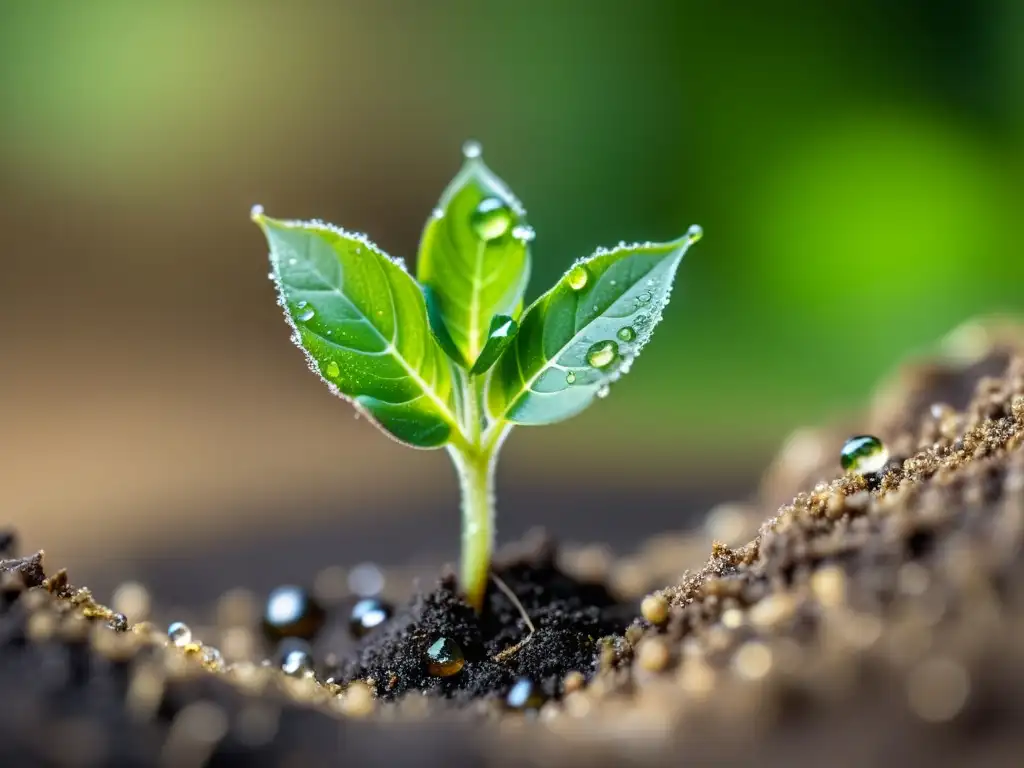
column 858, row 167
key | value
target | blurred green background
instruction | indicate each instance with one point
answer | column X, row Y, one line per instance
column 857, row 166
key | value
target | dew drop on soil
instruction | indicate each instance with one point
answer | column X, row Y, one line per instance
column 578, row 277
column 365, row 579
column 444, row 658
column 297, row 663
column 491, row 219
column 179, row 633
column 525, row 694
column 602, row 354
column 292, row 612
column 368, row 614
column 864, row 454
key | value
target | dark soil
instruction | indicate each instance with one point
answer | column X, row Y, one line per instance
column 570, row 618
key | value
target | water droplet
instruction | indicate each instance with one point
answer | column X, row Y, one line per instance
column 305, row 315
column 864, row 454
column 472, row 149
column 570, row 378
column 256, row 212
column 644, row 297
column 523, row 233
column 438, row 213
column 292, row 262
column 578, row 277
column 604, row 391
column 694, row 233
column 602, row 354
column 179, row 633
column 302, row 304
column 444, row 658
column 491, row 219
column 297, row 663
column 368, row 614
column 118, row 622
column 332, row 369
column 626, row 333
column 211, row 657
column 292, row 612
column 525, row 694
column 365, row 579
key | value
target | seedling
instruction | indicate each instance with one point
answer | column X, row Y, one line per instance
column 451, row 359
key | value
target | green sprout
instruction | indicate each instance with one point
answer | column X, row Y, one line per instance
column 451, row 359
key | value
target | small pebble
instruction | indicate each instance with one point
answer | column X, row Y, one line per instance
column 655, row 609
column 444, row 658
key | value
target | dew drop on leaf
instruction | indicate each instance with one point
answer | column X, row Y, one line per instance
column 570, row 378
column 626, row 333
column 305, row 315
column 578, row 277
column 471, row 149
column 603, row 391
column 491, row 219
column 333, row 370
column 602, row 354
column 644, row 297
column 694, row 233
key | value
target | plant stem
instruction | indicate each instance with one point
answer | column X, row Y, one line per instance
column 475, row 465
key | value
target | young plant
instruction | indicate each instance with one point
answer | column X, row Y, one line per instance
column 450, row 359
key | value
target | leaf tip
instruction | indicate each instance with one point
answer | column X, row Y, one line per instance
column 256, row 213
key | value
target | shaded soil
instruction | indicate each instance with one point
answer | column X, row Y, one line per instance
column 865, row 621
column 570, row 618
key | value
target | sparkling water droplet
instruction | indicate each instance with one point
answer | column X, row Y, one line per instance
column 578, row 277
column 694, row 233
column 570, row 378
column 864, row 454
column 291, row 611
column 523, row 233
column 491, row 219
column 603, row 391
column 368, row 614
column 297, row 663
column 472, row 149
column 256, row 212
column 602, row 354
column 525, row 694
column 444, row 658
column 212, row 657
column 626, row 333
column 305, row 315
column 333, row 370
column 179, row 633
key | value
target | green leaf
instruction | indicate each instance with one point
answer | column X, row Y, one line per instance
column 362, row 322
column 584, row 333
column 501, row 333
column 474, row 255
